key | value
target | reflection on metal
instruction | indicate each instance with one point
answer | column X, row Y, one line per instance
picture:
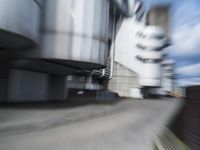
column 19, row 24
column 77, row 33
column 55, row 38
column 74, row 33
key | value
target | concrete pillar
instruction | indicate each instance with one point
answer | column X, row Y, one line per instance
column 57, row 88
column 4, row 73
column 27, row 86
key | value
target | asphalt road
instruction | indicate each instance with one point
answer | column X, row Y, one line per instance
column 126, row 125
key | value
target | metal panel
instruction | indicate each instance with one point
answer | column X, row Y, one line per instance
column 75, row 30
column 74, row 33
column 19, row 23
column 189, row 120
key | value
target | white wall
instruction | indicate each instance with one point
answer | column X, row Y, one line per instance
column 125, row 50
column 123, row 80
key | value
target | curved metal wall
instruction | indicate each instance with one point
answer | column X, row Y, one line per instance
column 75, row 31
column 76, row 34
column 19, row 23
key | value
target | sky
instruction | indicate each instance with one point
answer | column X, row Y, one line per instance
column 185, row 50
column 185, row 35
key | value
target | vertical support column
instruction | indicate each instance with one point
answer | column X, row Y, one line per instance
column 57, row 88
column 88, row 83
column 4, row 76
column 27, row 86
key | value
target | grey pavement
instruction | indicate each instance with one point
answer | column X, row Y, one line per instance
column 125, row 125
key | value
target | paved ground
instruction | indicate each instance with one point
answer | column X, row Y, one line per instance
column 126, row 125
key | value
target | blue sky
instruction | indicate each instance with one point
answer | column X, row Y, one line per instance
column 185, row 27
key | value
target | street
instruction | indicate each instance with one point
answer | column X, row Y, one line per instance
column 125, row 125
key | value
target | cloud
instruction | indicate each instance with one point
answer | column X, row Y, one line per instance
column 185, row 37
column 186, row 29
column 188, row 75
column 188, row 82
column 186, row 41
column 189, row 70
column 185, row 12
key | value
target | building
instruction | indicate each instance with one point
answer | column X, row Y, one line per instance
column 168, row 75
column 124, row 81
column 153, row 39
column 140, row 48
column 151, row 42
column 45, row 43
